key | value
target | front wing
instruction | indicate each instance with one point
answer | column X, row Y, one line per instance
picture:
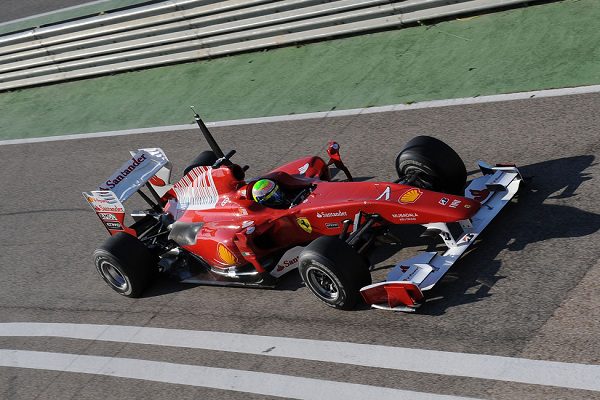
column 406, row 282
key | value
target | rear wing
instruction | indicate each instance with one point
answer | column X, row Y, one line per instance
column 134, row 173
column 146, row 167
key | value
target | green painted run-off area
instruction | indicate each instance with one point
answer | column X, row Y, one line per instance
column 543, row 46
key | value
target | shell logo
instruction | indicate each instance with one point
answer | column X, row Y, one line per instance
column 226, row 255
column 410, row 196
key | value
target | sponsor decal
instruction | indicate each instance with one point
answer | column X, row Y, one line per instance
column 406, row 216
column 107, row 217
column 303, row 168
column 411, row 275
column 243, row 211
column 103, row 199
column 135, row 162
column 304, row 224
column 410, row 196
column 246, row 224
column 455, row 203
column 332, row 225
column 105, row 202
column 108, row 208
column 156, row 181
column 444, row 200
column 467, row 238
column 226, row 255
column 467, row 206
column 332, row 214
column 385, row 194
column 250, row 230
column 114, row 226
column 225, row 201
column 480, row 195
column 287, row 263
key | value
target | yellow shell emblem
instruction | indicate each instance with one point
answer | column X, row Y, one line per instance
column 410, row 196
column 226, row 255
column 304, row 224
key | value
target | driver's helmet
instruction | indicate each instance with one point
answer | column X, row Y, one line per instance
column 267, row 192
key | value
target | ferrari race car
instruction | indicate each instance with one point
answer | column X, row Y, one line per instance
column 214, row 227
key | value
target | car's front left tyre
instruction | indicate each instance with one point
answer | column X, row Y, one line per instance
column 334, row 272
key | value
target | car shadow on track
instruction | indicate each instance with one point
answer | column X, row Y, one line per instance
column 291, row 281
column 530, row 219
column 161, row 287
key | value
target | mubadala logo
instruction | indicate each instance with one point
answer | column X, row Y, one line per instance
column 405, row 216
column 332, row 214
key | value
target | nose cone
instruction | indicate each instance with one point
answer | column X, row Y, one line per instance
column 457, row 207
column 440, row 207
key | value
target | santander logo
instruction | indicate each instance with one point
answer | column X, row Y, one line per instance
column 332, row 214
column 111, row 183
column 287, row 263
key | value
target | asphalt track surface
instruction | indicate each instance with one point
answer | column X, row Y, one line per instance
column 528, row 289
column 17, row 9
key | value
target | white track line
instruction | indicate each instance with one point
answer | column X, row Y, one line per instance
column 215, row 378
column 324, row 114
column 548, row 373
column 52, row 12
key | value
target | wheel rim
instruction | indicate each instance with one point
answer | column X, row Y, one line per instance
column 113, row 276
column 322, row 284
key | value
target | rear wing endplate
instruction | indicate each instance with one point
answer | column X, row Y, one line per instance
column 109, row 209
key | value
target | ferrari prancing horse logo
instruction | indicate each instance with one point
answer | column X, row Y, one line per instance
column 304, row 224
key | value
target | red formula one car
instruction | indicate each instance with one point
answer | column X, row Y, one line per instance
column 214, row 227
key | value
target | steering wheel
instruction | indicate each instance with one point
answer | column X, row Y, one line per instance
column 301, row 195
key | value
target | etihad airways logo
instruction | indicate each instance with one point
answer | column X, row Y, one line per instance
column 111, row 183
column 332, row 214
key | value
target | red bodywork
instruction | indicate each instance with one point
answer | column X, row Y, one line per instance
column 236, row 230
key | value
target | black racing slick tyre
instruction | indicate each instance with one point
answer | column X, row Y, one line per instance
column 429, row 163
column 125, row 264
column 204, row 159
column 334, row 272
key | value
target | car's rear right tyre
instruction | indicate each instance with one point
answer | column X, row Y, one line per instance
column 334, row 272
column 125, row 264
column 205, row 159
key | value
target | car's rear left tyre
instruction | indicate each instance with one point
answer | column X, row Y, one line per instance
column 429, row 163
column 125, row 264
column 334, row 272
